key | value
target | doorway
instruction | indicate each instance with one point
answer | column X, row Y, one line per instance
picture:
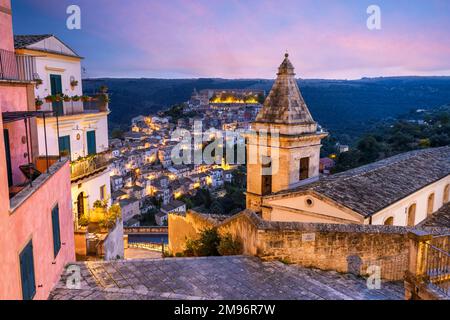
column 56, row 88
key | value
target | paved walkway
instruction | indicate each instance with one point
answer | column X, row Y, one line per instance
column 137, row 253
column 235, row 277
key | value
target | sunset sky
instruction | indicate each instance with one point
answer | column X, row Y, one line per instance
column 247, row 38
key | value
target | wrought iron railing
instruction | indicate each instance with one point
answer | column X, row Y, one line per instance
column 145, row 230
column 64, row 108
column 17, row 67
column 152, row 246
column 89, row 165
column 437, row 262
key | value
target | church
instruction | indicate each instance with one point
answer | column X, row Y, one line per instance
column 403, row 190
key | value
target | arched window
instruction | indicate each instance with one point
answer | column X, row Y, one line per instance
column 389, row 221
column 430, row 206
column 412, row 215
column 446, row 194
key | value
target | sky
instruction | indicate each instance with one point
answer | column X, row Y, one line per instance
column 327, row 39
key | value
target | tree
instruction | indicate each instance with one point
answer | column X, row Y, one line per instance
column 369, row 148
column 117, row 134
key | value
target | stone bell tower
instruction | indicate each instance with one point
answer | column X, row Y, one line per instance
column 283, row 148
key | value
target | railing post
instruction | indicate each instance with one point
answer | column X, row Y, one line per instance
column 417, row 270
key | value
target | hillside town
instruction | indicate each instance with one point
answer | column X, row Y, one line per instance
column 143, row 176
column 259, row 215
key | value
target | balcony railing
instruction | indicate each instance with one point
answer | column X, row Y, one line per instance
column 437, row 262
column 67, row 108
column 17, row 67
column 89, row 165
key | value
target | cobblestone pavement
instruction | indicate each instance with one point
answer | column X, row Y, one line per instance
column 136, row 253
column 235, row 277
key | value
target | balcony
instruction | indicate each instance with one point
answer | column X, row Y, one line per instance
column 90, row 165
column 41, row 171
column 26, row 170
column 15, row 67
column 98, row 103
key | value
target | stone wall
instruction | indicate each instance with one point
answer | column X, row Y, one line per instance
column 113, row 247
column 343, row 248
column 186, row 226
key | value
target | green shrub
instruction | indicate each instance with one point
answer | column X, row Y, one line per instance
column 228, row 246
column 205, row 245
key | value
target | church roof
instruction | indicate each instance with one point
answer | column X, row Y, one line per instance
column 373, row 187
column 285, row 104
column 440, row 218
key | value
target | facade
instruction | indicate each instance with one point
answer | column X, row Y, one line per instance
column 402, row 190
column 77, row 123
column 130, row 209
column 36, row 226
column 174, row 206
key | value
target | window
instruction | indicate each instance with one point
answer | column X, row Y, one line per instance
column 64, row 146
column 103, row 192
column 266, row 183
column 91, row 144
column 411, row 215
column 309, row 202
column 8, row 157
column 446, row 194
column 430, row 206
column 304, row 169
column 56, row 231
column 56, row 88
column 27, row 272
column 389, row 221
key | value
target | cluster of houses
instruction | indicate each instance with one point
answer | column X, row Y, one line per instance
column 143, row 173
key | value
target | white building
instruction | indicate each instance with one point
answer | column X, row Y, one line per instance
column 81, row 125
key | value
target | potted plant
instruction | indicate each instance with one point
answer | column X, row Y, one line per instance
column 66, row 98
column 38, row 103
column 104, row 97
column 58, row 97
column 76, row 98
column 73, row 83
column 85, row 98
column 49, row 98
column 38, row 82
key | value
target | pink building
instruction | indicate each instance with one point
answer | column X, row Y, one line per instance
column 36, row 225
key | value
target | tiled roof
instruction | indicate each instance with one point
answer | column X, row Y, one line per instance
column 285, row 103
column 22, row 41
column 370, row 188
column 174, row 204
column 440, row 218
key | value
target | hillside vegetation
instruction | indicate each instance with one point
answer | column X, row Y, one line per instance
column 345, row 108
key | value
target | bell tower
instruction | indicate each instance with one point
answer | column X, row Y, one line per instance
column 283, row 147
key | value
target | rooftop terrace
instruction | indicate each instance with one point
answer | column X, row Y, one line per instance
column 232, row 277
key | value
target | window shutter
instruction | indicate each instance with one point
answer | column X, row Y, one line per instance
column 56, row 231
column 91, row 144
column 27, row 272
